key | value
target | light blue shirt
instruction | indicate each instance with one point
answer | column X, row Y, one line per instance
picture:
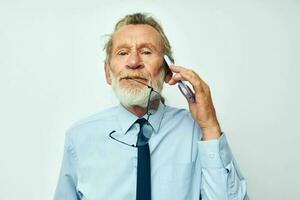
column 96, row 167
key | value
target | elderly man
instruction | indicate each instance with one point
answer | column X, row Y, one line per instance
column 143, row 149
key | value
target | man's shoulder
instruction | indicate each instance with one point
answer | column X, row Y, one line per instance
column 100, row 116
column 178, row 112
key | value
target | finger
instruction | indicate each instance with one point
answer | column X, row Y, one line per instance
column 188, row 75
column 184, row 73
column 176, row 69
column 175, row 78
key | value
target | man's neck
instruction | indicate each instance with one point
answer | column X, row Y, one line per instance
column 141, row 111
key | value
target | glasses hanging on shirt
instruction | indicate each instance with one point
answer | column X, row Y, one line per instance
column 150, row 110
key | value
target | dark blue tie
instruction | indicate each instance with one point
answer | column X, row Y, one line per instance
column 143, row 190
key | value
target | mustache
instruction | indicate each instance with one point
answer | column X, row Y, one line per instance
column 133, row 76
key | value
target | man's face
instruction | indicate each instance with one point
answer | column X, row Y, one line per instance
column 137, row 54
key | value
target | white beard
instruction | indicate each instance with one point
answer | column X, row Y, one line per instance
column 137, row 96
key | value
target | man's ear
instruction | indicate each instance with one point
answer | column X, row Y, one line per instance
column 168, row 75
column 107, row 73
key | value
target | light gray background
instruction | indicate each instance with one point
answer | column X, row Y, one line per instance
column 51, row 63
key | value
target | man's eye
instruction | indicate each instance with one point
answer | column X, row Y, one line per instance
column 146, row 52
column 122, row 53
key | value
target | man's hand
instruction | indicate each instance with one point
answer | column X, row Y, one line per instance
column 202, row 109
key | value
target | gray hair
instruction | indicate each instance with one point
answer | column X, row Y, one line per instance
column 135, row 19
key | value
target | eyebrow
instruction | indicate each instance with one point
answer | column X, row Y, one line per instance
column 143, row 45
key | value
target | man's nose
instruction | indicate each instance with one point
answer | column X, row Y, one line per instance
column 134, row 61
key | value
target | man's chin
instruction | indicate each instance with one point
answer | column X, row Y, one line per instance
column 131, row 106
column 132, row 96
column 133, row 103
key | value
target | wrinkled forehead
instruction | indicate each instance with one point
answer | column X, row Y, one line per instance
column 137, row 36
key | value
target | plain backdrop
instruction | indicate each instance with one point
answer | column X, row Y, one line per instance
column 51, row 63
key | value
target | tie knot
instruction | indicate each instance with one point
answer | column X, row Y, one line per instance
column 141, row 121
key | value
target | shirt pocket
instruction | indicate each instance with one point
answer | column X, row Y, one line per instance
column 173, row 180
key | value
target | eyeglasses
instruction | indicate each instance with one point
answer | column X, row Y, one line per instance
column 147, row 129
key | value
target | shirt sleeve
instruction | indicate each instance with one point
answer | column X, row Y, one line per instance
column 67, row 181
column 221, row 177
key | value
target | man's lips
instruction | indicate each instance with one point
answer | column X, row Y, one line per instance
column 134, row 78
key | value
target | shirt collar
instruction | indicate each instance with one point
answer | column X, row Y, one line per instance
column 127, row 119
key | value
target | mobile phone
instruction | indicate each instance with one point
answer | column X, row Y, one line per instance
column 185, row 89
